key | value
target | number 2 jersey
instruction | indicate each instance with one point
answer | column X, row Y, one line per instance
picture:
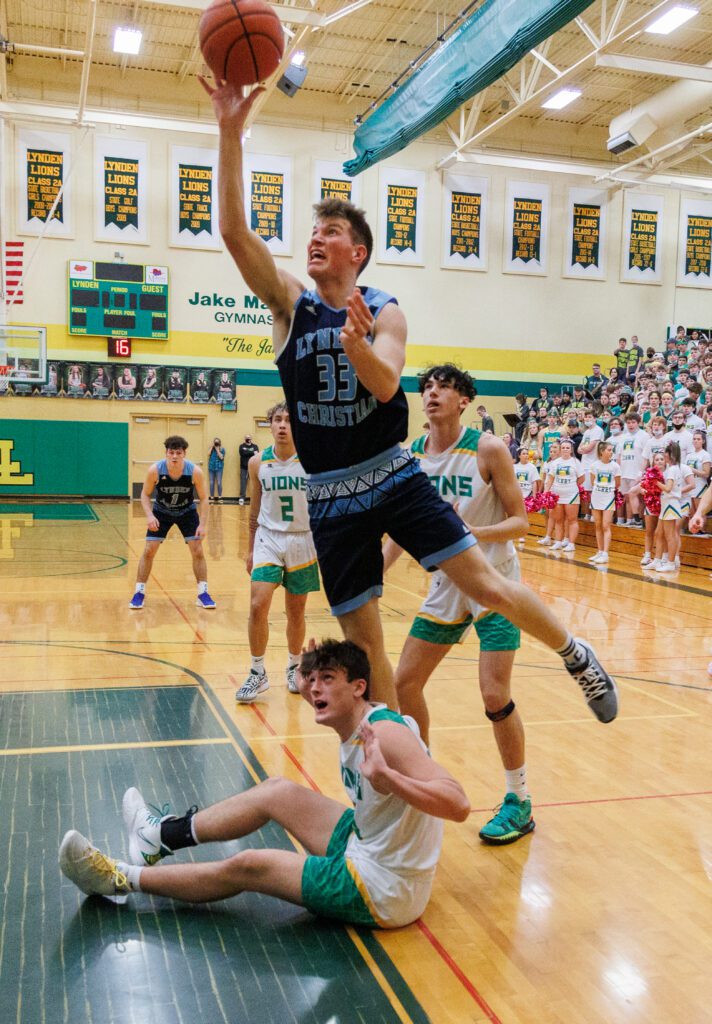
column 336, row 422
column 283, row 502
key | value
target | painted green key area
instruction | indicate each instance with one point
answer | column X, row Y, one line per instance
column 65, row 958
column 70, row 511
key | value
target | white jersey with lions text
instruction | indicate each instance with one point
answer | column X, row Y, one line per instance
column 283, row 503
column 455, row 475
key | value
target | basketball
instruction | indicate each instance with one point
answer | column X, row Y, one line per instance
column 241, row 40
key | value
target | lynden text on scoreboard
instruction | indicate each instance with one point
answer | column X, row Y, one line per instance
column 127, row 300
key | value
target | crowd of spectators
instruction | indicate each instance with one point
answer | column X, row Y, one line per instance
column 631, row 445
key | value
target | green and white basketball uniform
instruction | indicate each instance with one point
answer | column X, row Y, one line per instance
column 284, row 551
column 447, row 613
column 601, row 481
column 381, row 860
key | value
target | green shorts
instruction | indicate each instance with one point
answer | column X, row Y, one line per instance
column 328, row 886
column 494, row 632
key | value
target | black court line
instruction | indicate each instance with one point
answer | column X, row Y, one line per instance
column 625, row 575
column 393, row 976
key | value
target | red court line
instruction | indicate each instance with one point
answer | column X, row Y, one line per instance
column 434, row 942
column 461, row 977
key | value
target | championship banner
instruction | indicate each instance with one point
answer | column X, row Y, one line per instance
column 121, row 183
column 330, row 182
column 694, row 260
column 176, row 378
column 225, row 386
column 149, row 383
column 194, row 198
column 464, row 220
column 125, row 380
column 641, row 261
column 201, row 385
column 526, row 240
column 43, row 165
column 401, row 209
column 268, row 200
column 585, row 255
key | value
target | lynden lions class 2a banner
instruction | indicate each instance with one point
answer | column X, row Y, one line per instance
column 642, row 238
column 194, row 198
column 121, row 190
column 268, row 200
column 401, row 216
column 44, row 198
column 585, row 254
column 694, row 261
column 527, row 228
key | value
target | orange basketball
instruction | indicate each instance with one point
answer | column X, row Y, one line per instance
column 241, row 40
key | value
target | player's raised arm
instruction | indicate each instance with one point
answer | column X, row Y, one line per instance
column 379, row 365
column 276, row 288
column 396, row 763
column 498, row 469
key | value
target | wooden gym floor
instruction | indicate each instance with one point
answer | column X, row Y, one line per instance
column 601, row 916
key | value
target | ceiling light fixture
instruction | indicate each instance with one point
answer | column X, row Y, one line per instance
column 671, row 20
column 127, row 40
column 561, row 99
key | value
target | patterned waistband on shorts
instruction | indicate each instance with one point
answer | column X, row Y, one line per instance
column 361, row 492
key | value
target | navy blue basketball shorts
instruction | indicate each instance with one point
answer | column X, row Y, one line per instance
column 187, row 523
column 350, row 510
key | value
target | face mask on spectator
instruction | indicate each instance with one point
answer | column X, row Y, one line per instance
column 658, row 431
column 615, row 431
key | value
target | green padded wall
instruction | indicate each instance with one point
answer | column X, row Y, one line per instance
column 61, row 457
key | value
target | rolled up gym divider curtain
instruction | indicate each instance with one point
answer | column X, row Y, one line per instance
column 480, row 51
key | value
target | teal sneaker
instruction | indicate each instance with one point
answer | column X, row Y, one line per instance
column 512, row 821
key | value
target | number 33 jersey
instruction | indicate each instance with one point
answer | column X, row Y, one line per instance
column 283, row 502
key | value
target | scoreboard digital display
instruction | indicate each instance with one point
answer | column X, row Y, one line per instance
column 127, row 300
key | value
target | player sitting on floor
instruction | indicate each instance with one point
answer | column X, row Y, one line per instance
column 373, row 865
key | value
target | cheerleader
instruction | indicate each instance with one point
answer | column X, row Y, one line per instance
column 603, row 480
column 564, row 477
column 667, row 535
column 555, row 452
column 700, row 462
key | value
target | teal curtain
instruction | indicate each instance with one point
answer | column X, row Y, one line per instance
column 479, row 52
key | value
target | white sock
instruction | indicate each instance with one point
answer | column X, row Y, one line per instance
column 133, row 874
column 573, row 653
column 258, row 665
column 140, row 588
column 293, row 660
column 516, row 781
column 203, row 587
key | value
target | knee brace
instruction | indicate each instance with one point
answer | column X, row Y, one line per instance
column 499, row 716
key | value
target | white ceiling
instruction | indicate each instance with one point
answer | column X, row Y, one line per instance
column 354, row 52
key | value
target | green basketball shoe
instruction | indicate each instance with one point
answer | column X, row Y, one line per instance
column 512, row 821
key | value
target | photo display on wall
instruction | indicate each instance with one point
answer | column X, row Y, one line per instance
column 642, row 238
column 330, row 182
column 125, row 380
column 268, row 200
column 201, row 384
column 526, row 236
column 401, row 216
column 225, row 386
column 121, row 190
column 464, row 219
column 43, row 169
column 586, row 220
column 176, row 383
column 694, row 247
column 194, row 198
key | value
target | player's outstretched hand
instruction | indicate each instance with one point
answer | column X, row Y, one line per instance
column 230, row 106
column 374, row 766
column 359, row 321
column 696, row 523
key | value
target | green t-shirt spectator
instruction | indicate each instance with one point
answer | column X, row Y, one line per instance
column 594, row 383
column 548, row 437
column 621, row 355
column 635, row 357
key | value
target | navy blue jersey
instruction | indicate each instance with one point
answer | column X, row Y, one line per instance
column 174, row 497
column 335, row 420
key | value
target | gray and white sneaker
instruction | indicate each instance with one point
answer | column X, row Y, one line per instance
column 598, row 687
column 256, row 683
column 143, row 823
column 292, row 684
column 90, row 869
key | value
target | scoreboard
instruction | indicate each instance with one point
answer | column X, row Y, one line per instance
column 127, row 300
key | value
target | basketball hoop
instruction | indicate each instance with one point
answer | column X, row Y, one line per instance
column 4, row 377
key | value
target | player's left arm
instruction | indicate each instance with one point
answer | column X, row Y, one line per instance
column 378, row 365
column 203, row 501
column 497, row 468
column 395, row 763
